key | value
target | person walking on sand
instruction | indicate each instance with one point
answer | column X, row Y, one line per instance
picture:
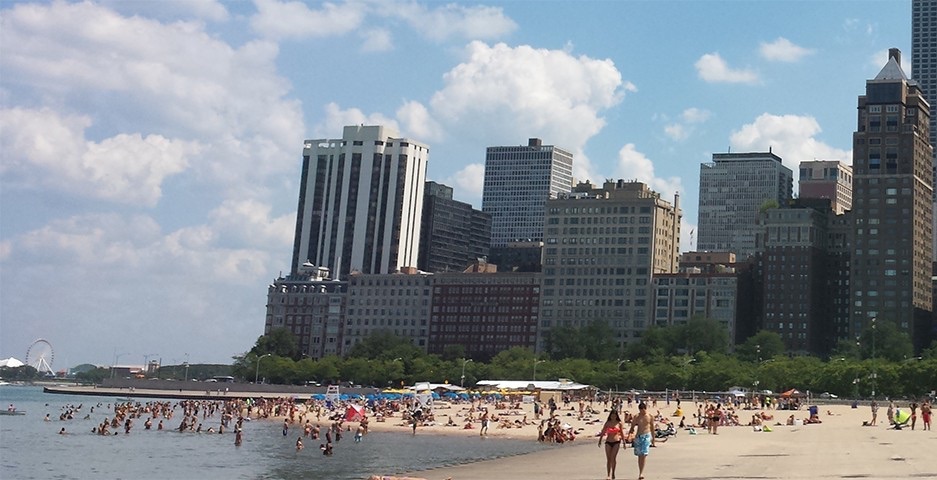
column 612, row 431
column 643, row 422
column 874, row 407
column 925, row 414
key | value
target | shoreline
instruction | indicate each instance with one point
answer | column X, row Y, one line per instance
column 840, row 447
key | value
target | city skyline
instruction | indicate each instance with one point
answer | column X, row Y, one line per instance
column 212, row 101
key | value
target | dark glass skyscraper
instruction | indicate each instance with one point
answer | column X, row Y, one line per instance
column 453, row 235
column 924, row 61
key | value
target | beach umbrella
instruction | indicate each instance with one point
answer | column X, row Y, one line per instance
column 902, row 416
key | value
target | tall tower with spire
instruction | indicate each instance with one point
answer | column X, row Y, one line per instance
column 892, row 205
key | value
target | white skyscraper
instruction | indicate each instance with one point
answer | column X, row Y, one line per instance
column 360, row 202
column 518, row 182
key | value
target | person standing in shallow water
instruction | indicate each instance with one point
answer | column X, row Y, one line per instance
column 643, row 422
column 612, row 431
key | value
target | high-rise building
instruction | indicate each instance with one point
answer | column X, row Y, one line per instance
column 734, row 188
column 395, row 303
column 360, row 202
column 794, row 260
column 453, row 235
column 518, row 182
column 311, row 307
column 827, row 179
column 484, row 312
column 893, row 205
column 705, row 287
column 601, row 248
column 924, row 67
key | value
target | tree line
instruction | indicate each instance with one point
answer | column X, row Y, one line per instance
column 693, row 356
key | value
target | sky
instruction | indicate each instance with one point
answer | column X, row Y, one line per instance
column 150, row 151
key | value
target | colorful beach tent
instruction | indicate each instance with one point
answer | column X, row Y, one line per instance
column 354, row 413
column 792, row 393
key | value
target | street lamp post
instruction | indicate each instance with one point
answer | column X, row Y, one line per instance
column 874, row 376
column 257, row 372
column 462, row 380
column 620, row 362
column 536, row 362
column 686, row 364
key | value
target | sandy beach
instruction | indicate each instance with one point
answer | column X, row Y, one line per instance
column 840, row 447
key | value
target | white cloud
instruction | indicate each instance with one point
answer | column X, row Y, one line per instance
column 249, row 222
column 418, row 123
column 791, row 137
column 129, row 109
column 131, row 74
column 295, row 20
column 634, row 165
column 377, row 40
column 51, row 150
column 695, row 115
column 112, row 274
column 212, row 10
column 468, row 182
column 336, row 119
column 505, row 95
column 712, row 68
column 681, row 130
column 476, row 22
column 676, row 131
column 783, row 50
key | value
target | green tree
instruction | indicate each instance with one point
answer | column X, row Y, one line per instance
column 702, row 335
column 760, row 346
column 768, row 205
column 280, row 342
column 565, row 342
column 452, row 352
column 889, row 342
column 931, row 351
column 94, row 375
column 846, row 348
column 384, row 344
column 655, row 342
column 599, row 340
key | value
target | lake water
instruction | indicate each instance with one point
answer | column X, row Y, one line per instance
column 32, row 448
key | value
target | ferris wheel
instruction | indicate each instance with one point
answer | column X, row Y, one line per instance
column 39, row 355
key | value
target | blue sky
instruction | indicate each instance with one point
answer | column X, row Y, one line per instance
column 151, row 150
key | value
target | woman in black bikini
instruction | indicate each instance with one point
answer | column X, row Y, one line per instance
column 612, row 431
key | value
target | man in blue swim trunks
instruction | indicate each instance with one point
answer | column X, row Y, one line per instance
column 643, row 422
